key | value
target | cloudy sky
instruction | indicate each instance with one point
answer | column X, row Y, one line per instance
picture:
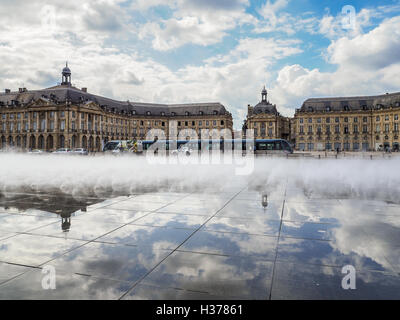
column 176, row 51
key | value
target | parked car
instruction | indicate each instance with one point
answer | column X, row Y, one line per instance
column 36, row 151
column 80, row 151
column 62, row 151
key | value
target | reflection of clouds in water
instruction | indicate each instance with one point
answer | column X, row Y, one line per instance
column 118, row 262
column 68, row 286
column 220, row 275
column 359, row 234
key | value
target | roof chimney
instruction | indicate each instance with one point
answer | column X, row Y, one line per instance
column 84, row 89
column 20, row 90
column 7, row 90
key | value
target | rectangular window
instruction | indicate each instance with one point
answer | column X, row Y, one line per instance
column 200, row 123
column 355, row 128
column 365, row 119
column 365, row 128
column 355, row 119
column 62, row 125
column 337, row 119
column 378, row 128
column 396, row 127
column 301, row 129
column 309, row 129
column 386, row 128
column 328, row 120
column 309, row 120
column 52, row 124
column 337, row 129
column 396, row 117
column 328, row 146
column 301, row 120
column 328, row 129
column 318, row 120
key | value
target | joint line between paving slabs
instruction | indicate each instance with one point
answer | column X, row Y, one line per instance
column 144, row 276
column 277, row 244
column 85, row 242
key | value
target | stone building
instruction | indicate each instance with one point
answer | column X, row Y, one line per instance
column 348, row 124
column 64, row 116
column 266, row 121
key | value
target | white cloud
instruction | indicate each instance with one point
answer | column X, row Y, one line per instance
column 366, row 64
column 195, row 22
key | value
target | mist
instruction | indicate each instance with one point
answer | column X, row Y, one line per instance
column 108, row 174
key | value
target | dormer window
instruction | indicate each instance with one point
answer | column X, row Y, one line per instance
column 328, row 108
column 215, row 112
column 173, row 113
column 163, row 113
column 186, row 113
column 133, row 112
column 148, row 113
column 346, row 108
column 201, row 113
column 310, row 109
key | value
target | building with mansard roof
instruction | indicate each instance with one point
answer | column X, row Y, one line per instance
column 266, row 121
column 64, row 116
column 348, row 123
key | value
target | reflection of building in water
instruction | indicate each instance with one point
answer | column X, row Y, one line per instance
column 63, row 205
column 264, row 201
column 65, row 222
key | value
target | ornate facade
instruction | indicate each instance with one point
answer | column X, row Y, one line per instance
column 67, row 117
column 266, row 121
column 348, row 124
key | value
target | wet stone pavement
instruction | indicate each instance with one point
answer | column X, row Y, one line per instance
column 236, row 244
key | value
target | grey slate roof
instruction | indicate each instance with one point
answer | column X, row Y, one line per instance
column 62, row 93
column 265, row 107
column 351, row 103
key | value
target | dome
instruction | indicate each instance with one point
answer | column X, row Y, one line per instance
column 66, row 69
